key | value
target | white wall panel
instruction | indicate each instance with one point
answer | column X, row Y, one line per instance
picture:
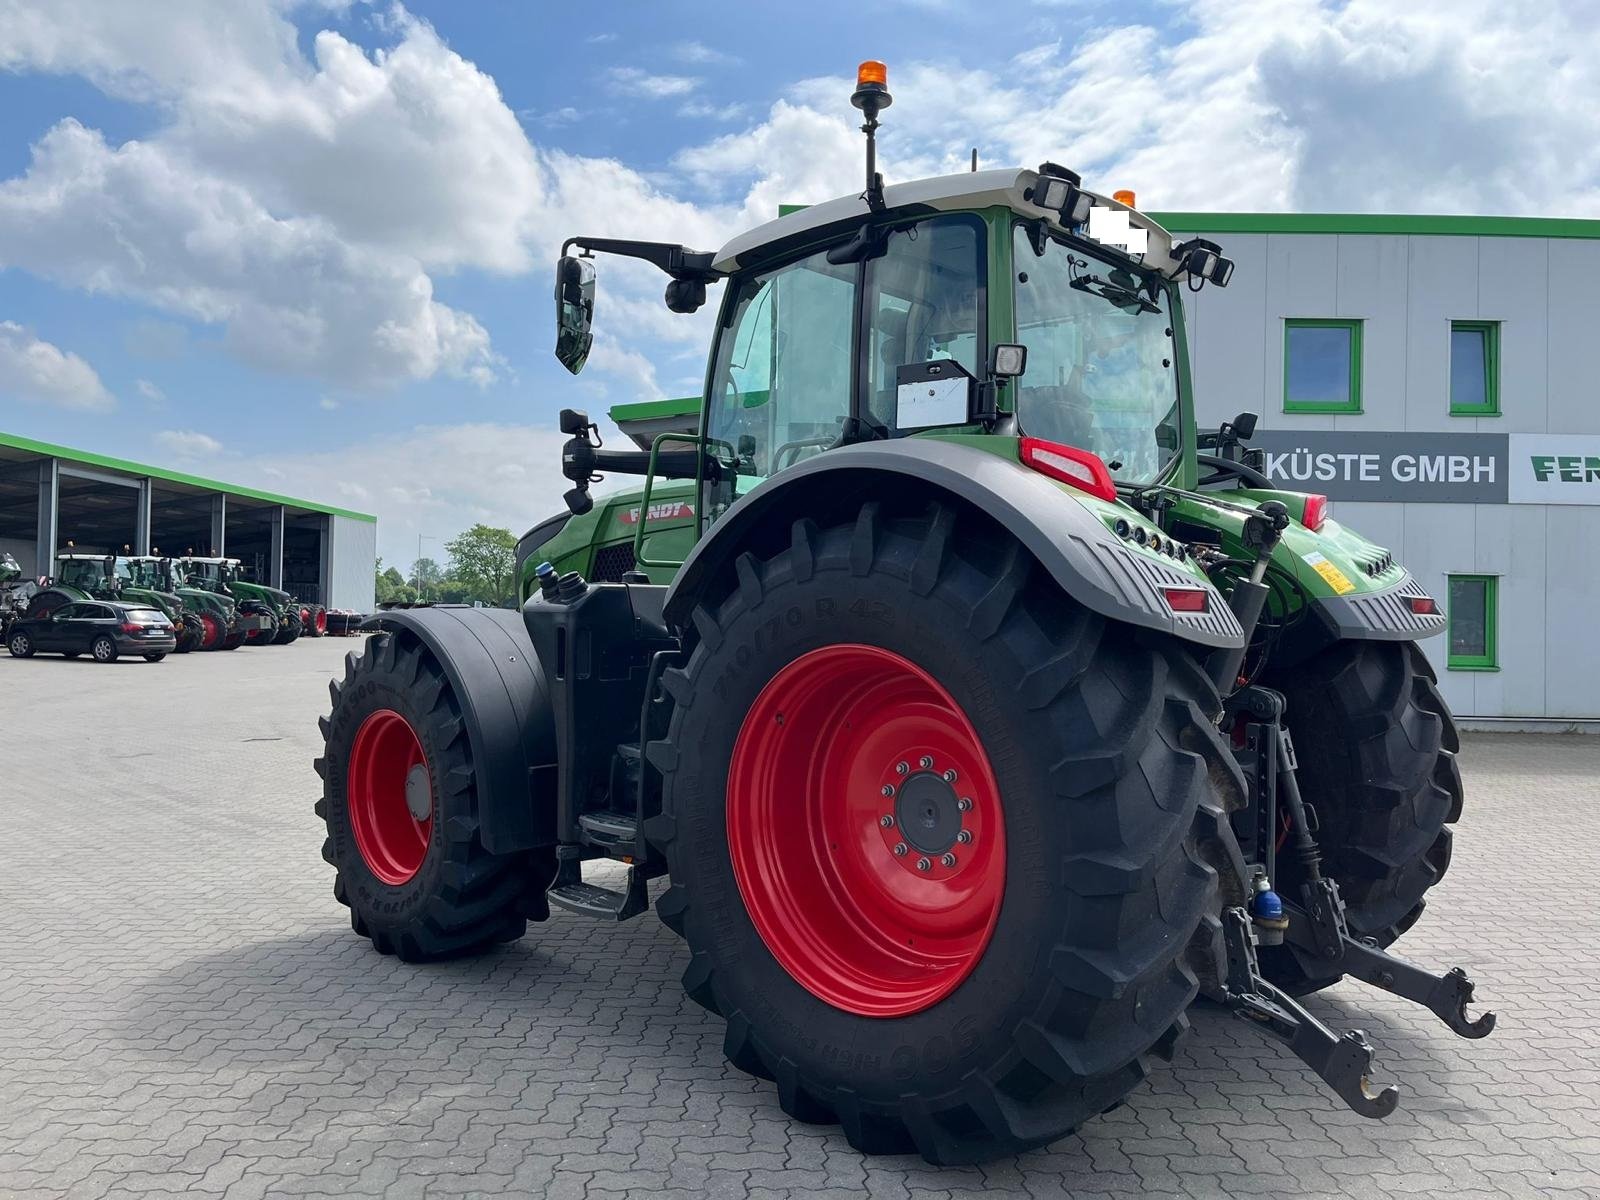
column 1573, row 347
column 1572, row 611
column 1373, row 284
column 353, row 551
column 1514, row 289
column 1302, row 281
column 1443, row 288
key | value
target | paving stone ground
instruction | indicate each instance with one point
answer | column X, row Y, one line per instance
column 184, row 1010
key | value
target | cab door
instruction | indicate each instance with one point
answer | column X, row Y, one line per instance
column 783, row 377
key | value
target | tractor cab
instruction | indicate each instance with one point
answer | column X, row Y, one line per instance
column 87, row 572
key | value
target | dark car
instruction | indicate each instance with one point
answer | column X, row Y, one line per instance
column 103, row 629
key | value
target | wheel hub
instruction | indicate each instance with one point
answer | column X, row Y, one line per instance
column 419, row 795
column 927, row 811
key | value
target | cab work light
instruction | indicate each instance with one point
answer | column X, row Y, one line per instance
column 1083, row 469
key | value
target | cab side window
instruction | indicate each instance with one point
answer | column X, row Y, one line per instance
column 781, row 387
column 924, row 302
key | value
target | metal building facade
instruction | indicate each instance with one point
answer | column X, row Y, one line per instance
column 51, row 495
column 1406, row 279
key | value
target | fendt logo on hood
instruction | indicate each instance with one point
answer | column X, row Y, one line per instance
column 667, row 510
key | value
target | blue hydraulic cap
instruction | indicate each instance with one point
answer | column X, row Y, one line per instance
column 546, row 575
column 1266, row 905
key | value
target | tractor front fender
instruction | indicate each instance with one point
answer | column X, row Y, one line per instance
column 1073, row 545
column 495, row 676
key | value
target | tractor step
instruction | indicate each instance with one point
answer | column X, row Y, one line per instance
column 610, row 830
column 570, row 892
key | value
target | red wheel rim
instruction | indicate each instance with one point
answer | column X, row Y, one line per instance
column 210, row 631
column 865, row 829
column 322, row 622
column 385, row 757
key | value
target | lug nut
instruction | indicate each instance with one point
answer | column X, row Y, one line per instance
column 926, row 762
column 949, row 860
column 900, row 849
column 964, row 804
column 924, row 865
column 965, row 837
column 886, row 821
column 950, row 776
column 901, row 768
column 888, row 789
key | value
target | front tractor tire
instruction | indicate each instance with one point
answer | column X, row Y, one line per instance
column 934, row 835
column 400, row 802
column 1376, row 746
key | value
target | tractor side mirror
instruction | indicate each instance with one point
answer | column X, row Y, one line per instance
column 1244, row 425
column 574, row 311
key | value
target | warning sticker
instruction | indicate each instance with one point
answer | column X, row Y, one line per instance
column 1335, row 578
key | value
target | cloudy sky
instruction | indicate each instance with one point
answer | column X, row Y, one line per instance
column 308, row 245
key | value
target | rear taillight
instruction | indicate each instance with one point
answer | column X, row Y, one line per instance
column 1316, row 512
column 1083, row 469
column 1187, row 599
column 1423, row 606
column 130, row 627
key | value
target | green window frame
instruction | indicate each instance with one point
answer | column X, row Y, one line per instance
column 1487, row 657
column 1490, row 406
column 1352, row 402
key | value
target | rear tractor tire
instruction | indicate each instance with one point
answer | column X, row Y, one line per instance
column 935, row 836
column 1376, row 746
column 191, row 634
column 400, row 802
column 289, row 631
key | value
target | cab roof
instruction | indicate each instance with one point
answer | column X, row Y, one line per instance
column 1002, row 187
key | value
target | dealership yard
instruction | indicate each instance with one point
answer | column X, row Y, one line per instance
column 183, row 1008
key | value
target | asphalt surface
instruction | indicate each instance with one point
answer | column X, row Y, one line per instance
column 184, row 1010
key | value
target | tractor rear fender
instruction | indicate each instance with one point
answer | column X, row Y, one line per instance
column 1089, row 562
column 490, row 665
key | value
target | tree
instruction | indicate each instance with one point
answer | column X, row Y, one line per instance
column 388, row 586
column 484, row 561
column 426, row 576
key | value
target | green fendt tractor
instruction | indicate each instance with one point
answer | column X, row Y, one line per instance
column 267, row 615
column 113, row 577
column 215, row 616
column 15, row 592
column 986, row 715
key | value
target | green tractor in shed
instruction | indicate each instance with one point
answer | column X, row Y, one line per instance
column 980, row 712
column 267, row 615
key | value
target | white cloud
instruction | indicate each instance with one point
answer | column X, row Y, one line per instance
column 150, row 392
column 715, row 112
column 186, row 443
column 633, row 81
column 292, row 295
column 701, row 54
column 36, row 371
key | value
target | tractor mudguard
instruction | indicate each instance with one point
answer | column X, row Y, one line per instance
column 1089, row 562
column 489, row 662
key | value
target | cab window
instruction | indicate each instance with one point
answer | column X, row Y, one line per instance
column 925, row 302
column 780, row 390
